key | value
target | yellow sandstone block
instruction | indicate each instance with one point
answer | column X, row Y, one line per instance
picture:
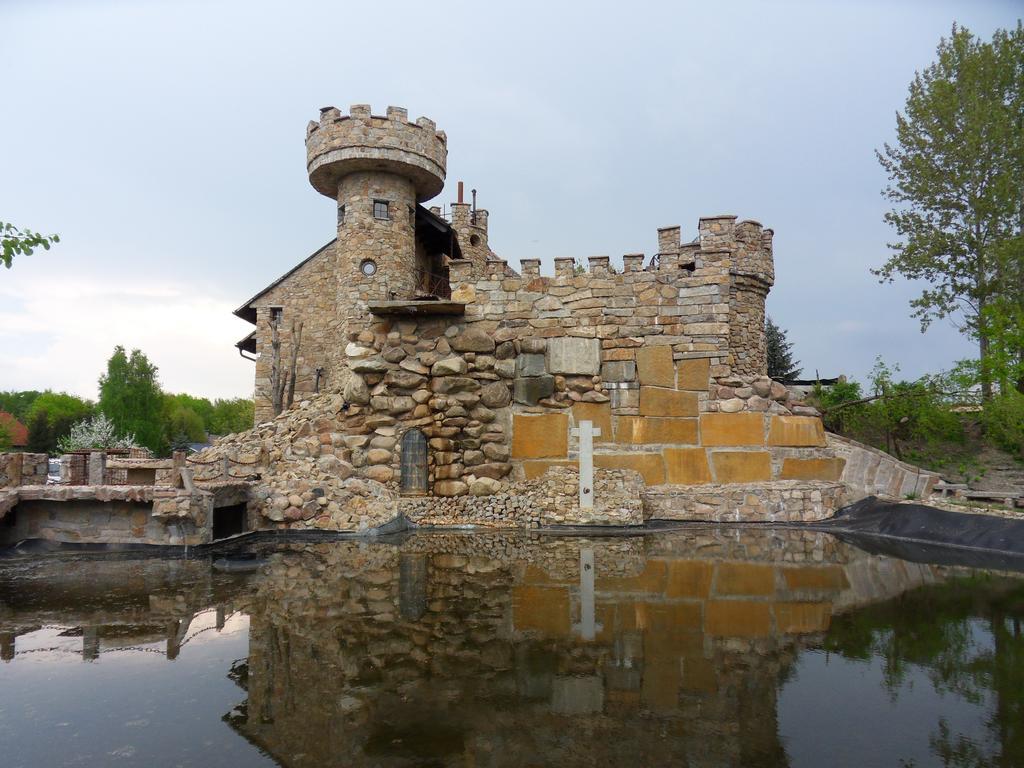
column 651, row 580
column 694, row 374
column 534, row 469
column 637, row 430
column 660, row 688
column 599, row 413
column 737, row 618
column 699, row 675
column 741, row 466
column 686, row 466
column 617, row 354
column 803, row 617
column 796, row 431
column 655, row 367
column 823, row 578
column 667, row 402
column 688, row 578
column 540, row 437
column 744, row 579
column 650, row 465
column 541, row 609
column 729, row 429
column 812, row 469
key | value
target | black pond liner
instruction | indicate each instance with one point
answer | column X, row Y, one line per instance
column 912, row 532
column 923, row 534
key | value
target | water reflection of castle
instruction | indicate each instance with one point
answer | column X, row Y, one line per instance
column 485, row 650
column 456, row 650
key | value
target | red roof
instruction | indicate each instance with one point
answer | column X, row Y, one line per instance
column 17, row 430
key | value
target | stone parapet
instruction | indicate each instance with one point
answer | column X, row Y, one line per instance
column 341, row 144
column 108, row 514
column 17, row 469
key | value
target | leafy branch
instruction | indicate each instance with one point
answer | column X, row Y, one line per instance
column 18, row 242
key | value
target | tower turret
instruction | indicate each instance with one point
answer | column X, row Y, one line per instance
column 377, row 169
column 747, row 248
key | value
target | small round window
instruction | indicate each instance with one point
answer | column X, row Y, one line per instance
column 368, row 267
column 474, row 239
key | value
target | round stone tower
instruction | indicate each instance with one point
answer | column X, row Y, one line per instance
column 751, row 278
column 377, row 169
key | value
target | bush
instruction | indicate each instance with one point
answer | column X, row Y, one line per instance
column 841, row 420
column 1003, row 420
column 909, row 419
column 97, row 432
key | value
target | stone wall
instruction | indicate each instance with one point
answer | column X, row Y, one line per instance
column 309, row 295
column 107, row 522
column 19, row 468
column 779, row 501
column 868, row 471
column 549, row 500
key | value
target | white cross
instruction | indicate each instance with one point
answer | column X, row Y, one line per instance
column 588, row 625
column 586, row 433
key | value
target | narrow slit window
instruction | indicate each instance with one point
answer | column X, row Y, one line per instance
column 341, row 215
column 380, row 210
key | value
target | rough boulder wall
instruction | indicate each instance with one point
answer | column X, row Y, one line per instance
column 303, row 477
column 334, row 462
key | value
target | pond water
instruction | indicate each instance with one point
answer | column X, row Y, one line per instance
column 713, row 647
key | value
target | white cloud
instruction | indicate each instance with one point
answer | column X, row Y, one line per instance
column 59, row 332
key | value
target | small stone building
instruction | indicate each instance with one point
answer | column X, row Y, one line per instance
column 420, row 362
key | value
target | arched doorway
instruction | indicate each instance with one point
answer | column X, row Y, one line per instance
column 414, row 463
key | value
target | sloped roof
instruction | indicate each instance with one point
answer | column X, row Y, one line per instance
column 17, row 430
column 248, row 314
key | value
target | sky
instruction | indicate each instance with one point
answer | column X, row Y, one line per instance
column 164, row 141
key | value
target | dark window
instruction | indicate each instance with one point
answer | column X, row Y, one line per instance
column 380, row 209
column 414, row 463
column 341, row 215
column 275, row 314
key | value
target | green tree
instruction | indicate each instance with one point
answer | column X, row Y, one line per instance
column 18, row 403
column 781, row 365
column 230, row 416
column 5, row 437
column 51, row 416
column 40, row 435
column 182, row 425
column 130, row 396
column 956, row 178
column 21, row 242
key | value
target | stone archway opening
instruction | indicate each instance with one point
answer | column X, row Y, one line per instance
column 413, row 480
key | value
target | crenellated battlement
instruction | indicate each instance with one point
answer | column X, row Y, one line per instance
column 340, row 144
column 704, row 298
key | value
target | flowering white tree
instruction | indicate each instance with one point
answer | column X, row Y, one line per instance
column 97, row 432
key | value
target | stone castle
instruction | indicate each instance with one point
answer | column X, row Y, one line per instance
column 431, row 377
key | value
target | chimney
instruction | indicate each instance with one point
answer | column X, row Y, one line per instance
column 460, row 191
